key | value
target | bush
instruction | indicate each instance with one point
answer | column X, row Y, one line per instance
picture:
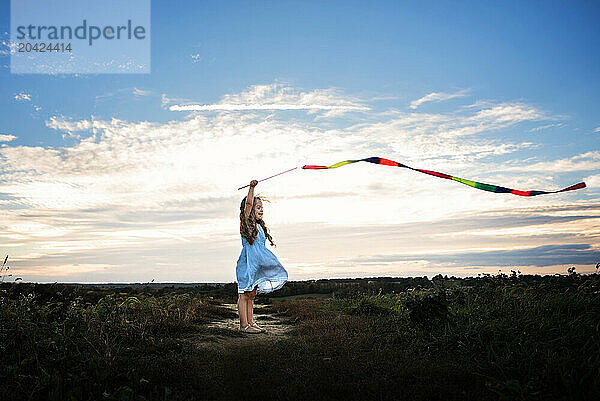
column 369, row 306
column 427, row 309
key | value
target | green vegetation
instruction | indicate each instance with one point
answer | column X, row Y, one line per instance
column 492, row 337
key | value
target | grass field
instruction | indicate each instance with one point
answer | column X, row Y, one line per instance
column 488, row 338
column 290, row 297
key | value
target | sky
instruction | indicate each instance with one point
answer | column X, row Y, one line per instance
column 126, row 177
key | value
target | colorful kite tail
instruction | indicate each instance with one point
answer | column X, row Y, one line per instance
column 474, row 184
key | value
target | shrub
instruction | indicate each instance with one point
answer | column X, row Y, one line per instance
column 427, row 309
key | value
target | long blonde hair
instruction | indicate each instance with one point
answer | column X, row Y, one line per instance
column 248, row 228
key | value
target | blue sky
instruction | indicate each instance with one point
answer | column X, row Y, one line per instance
column 104, row 179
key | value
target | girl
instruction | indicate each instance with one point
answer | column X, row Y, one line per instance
column 258, row 269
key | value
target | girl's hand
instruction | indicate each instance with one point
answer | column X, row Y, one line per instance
column 250, row 198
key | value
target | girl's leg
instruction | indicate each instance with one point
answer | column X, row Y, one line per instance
column 242, row 304
column 250, row 310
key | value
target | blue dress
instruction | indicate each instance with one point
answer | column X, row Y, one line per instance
column 257, row 266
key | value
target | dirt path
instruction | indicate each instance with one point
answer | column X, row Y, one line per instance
column 226, row 330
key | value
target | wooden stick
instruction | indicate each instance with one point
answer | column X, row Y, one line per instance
column 270, row 177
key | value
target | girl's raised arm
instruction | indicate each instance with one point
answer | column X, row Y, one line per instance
column 250, row 198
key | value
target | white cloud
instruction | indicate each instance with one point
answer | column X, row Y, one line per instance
column 279, row 97
column 134, row 194
column 63, row 124
column 242, row 107
column 23, row 96
column 437, row 97
column 7, row 48
column 26, row 97
column 547, row 126
column 581, row 162
column 124, row 93
column 140, row 92
column 597, row 129
column 509, row 113
column 165, row 100
column 7, row 137
column 593, row 181
column 123, row 155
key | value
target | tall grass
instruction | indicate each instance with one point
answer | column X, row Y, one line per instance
column 57, row 345
column 520, row 337
column 493, row 337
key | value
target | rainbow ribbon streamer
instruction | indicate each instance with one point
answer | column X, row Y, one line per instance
column 474, row 184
